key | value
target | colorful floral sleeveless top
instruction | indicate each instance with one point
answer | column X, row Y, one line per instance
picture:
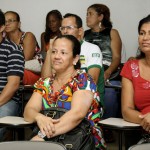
column 37, row 54
column 63, row 97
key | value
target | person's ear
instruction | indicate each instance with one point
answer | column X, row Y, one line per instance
column 76, row 59
column 19, row 25
column 100, row 17
column 2, row 28
column 81, row 33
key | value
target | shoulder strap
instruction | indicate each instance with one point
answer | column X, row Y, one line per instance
column 22, row 38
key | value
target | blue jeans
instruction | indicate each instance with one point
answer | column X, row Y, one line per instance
column 11, row 108
column 111, row 101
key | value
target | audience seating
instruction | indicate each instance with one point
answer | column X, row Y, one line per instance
column 119, row 125
column 26, row 92
column 14, row 123
column 145, row 146
column 31, row 145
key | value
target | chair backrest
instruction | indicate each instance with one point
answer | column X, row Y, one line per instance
column 145, row 146
column 31, row 145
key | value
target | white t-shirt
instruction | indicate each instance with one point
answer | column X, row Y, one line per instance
column 90, row 56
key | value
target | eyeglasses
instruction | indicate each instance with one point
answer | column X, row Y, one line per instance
column 67, row 27
column 10, row 21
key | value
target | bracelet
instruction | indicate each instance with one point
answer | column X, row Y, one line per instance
column 41, row 135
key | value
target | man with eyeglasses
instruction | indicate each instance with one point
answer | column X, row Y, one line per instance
column 11, row 72
column 90, row 56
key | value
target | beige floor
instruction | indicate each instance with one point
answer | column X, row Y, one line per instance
column 114, row 145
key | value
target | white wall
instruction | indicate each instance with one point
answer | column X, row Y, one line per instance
column 125, row 15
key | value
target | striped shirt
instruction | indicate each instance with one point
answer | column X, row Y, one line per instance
column 11, row 64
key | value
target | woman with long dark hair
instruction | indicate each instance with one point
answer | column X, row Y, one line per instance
column 53, row 23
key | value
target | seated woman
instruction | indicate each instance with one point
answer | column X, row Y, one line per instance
column 69, row 88
column 102, row 33
column 28, row 44
column 136, row 82
column 53, row 23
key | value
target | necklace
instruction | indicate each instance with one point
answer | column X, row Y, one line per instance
column 63, row 82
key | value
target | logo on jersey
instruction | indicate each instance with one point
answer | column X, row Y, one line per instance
column 95, row 55
column 82, row 59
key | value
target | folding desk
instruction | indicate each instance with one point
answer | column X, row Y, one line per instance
column 120, row 125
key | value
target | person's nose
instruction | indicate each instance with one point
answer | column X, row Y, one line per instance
column 57, row 55
column 65, row 31
column 146, row 36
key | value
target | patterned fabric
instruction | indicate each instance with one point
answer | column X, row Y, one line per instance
column 11, row 64
column 37, row 54
column 103, row 40
column 63, row 98
column 141, row 86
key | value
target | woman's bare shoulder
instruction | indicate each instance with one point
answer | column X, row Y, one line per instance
column 114, row 31
column 29, row 35
column 115, row 34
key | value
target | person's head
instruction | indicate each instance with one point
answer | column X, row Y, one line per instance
column 72, row 25
column 12, row 21
column 53, row 23
column 98, row 14
column 53, row 20
column 144, row 36
column 65, row 53
column 2, row 21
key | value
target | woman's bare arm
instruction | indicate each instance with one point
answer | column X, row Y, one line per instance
column 43, row 46
column 46, row 68
column 116, row 46
column 80, row 105
column 29, row 45
column 129, row 111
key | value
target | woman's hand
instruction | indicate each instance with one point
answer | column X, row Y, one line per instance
column 107, row 74
column 46, row 124
column 145, row 123
column 37, row 138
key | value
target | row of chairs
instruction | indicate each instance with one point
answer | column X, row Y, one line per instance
column 30, row 145
column 117, row 124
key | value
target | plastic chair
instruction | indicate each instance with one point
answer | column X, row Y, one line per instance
column 26, row 92
column 31, row 145
column 145, row 146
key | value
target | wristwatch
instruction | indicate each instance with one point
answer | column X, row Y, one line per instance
column 41, row 135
